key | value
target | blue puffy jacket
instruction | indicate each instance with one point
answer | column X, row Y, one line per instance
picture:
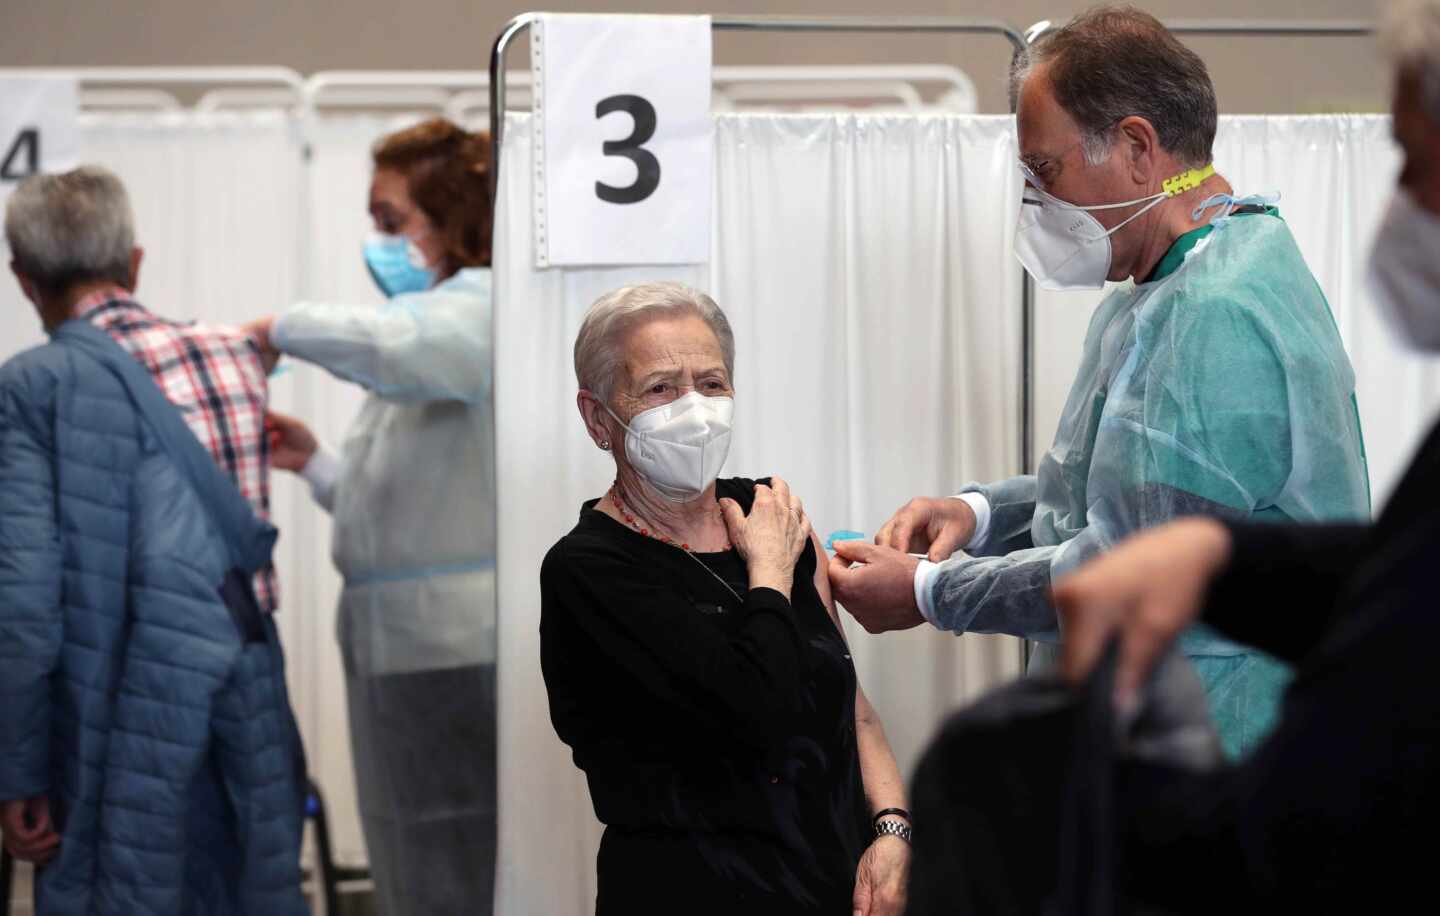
column 163, row 739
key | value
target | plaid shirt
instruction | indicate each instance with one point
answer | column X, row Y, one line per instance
column 214, row 376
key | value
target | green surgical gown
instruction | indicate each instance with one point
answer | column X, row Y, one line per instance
column 1219, row 386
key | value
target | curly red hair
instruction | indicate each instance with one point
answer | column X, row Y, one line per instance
column 447, row 169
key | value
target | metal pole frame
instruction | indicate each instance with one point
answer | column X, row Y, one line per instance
column 939, row 25
column 852, row 24
column 245, row 76
column 935, row 25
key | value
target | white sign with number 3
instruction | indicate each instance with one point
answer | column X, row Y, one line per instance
column 38, row 128
column 624, row 147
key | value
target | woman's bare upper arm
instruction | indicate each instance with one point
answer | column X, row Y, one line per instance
column 822, row 583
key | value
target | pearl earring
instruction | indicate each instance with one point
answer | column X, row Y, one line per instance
column 605, row 445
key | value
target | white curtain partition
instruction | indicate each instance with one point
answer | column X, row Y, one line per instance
column 865, row 263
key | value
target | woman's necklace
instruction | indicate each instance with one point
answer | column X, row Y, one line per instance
column 617, row 497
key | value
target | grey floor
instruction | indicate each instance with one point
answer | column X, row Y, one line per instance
column 354, row 901
column 20, row 896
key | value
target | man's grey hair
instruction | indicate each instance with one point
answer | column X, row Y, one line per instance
column 71, row 228
column 1115, row 62
column 597, row 347
column 1410, row 35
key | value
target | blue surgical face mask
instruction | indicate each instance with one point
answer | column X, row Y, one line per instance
column 396, row 264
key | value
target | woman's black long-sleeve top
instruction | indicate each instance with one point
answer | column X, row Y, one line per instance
column 717, row 735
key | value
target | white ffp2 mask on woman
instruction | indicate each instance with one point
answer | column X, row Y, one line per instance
column 680, row 447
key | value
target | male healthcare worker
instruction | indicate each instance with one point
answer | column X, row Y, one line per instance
column 413, row 501
column 1213, row 380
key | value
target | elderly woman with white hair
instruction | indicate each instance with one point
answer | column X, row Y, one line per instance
column 692, row 653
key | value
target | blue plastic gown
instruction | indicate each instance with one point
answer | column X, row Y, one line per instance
column 1221, row 388
column 414, row 510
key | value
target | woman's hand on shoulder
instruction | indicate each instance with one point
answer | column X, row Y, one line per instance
column 772, row 537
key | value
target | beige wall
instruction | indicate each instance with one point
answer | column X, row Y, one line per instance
column 1252, row 75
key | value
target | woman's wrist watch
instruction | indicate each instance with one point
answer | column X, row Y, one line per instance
column 889, row 823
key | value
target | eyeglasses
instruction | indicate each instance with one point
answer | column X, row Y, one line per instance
column 1034, row 178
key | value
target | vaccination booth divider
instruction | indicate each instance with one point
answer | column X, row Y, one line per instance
column 866, row 264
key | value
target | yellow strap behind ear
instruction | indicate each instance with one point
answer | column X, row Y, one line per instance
column 1187, row 181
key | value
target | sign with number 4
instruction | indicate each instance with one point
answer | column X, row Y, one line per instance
column 38, row 131
column 623, row 152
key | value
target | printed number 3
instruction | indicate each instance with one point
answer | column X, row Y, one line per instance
column 28, row 143
column 646, row 165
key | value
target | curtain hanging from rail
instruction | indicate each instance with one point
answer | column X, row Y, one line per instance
column 863, row 264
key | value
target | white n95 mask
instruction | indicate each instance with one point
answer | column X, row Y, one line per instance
column 1064, row 247
column 679, row 447
column 1404, row 271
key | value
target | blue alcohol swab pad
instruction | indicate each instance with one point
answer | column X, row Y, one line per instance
column 842, row 536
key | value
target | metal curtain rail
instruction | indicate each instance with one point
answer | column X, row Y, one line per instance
column 1249, row 28
column 836, row 24
column 248, row 76
column 934, row 25
column 1261, row 27
column 1292, row 28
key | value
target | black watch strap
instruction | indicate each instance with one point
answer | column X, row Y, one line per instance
column 898, row 812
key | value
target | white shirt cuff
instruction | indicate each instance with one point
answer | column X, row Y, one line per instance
column 924, row 580
column 277, row 333
column 322, row 472
column 981, row 507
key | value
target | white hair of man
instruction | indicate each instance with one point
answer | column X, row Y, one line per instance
column 1410, row 34
column 597, row 347
column 71, row 228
